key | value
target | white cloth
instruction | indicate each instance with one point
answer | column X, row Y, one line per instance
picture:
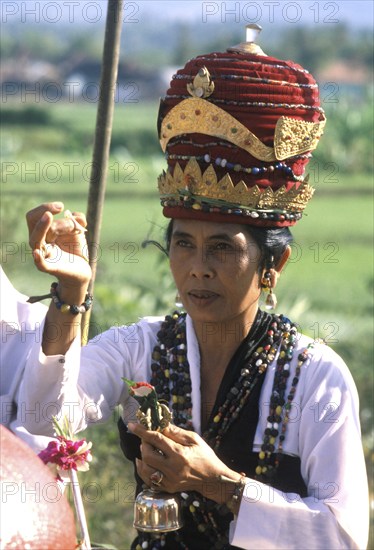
column 20, row 331
column 323, row 431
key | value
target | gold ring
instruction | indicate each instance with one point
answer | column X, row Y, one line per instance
column 156, row 478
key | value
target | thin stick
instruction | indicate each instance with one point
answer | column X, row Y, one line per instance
column 85, row 542
column 103, row 132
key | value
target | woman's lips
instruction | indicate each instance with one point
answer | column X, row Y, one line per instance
column 202, row 297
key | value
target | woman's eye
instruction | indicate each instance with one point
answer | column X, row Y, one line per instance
column 182, row 243
column 222, row 246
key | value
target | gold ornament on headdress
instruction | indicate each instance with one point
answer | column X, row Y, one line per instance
column 252, row 31
column 195, row 115
column 198, row 114
column 202, row 85
column 205, row 185
column 293, row 137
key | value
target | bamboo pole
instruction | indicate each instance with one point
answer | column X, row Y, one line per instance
column 103, row 132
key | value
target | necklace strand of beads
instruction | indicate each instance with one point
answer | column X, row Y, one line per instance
column 240, row 392
column 171, row 378
column 276, row 424
column 171, row 371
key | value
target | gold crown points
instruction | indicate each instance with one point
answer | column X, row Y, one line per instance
column 291, row 136
column 205, row 184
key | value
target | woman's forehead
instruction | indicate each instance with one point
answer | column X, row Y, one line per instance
column 207, row 229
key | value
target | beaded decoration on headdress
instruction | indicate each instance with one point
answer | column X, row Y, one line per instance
column 253, row 120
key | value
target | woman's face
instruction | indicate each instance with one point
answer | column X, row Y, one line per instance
column 214, row 266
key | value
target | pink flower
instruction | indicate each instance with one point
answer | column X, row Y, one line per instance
column 141, row 389
column 67, row 454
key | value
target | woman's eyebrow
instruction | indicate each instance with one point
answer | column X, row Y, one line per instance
column 221, row 237
column 215, row 237
column 182, row 234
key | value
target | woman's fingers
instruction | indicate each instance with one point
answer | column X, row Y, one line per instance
column 71, row 224
column 40, row 223
column 178, row 435
column 74, row 225
column 40, row 229
column 59, row 245
column 67, row 232
column 156, row 439
column 34, row 215
column 185, row 461
column 153, row 455
column 44, row 258
column 145, row 471
column 80, row 218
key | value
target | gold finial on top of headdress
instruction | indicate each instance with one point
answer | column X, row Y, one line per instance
column 249, row 46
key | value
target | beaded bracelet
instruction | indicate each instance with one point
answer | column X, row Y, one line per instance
column 236, row 497
column 65, row 308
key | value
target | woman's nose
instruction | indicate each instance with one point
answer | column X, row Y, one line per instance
column 201, row 266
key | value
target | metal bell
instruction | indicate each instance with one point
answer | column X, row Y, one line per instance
column 157, row 512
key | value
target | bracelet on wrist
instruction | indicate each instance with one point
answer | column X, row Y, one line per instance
column 66, row 308
column 62, row 306
column 234, row 502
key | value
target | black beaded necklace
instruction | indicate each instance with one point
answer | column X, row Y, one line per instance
column 172, row 381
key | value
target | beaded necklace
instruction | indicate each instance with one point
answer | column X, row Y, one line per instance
column 171, row 378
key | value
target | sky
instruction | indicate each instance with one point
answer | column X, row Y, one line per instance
column 356, row 13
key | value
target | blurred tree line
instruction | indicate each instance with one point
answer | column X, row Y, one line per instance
column 315, row 48
column 165, row 44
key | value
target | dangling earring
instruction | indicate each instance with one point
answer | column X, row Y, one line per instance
column 271, row 299
column 178, row 301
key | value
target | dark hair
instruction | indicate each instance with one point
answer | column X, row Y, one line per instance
column 272, row 242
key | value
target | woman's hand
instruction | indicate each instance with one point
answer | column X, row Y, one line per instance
column 184, row 462
column 59, row 246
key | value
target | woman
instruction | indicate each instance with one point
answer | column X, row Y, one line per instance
column 265, row 444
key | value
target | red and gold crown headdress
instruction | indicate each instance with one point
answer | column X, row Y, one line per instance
column 238, row 129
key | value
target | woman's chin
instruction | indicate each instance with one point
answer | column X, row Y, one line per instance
column 205, row 312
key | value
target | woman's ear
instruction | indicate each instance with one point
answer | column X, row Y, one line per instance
column 283, row 260
column 276, row 270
